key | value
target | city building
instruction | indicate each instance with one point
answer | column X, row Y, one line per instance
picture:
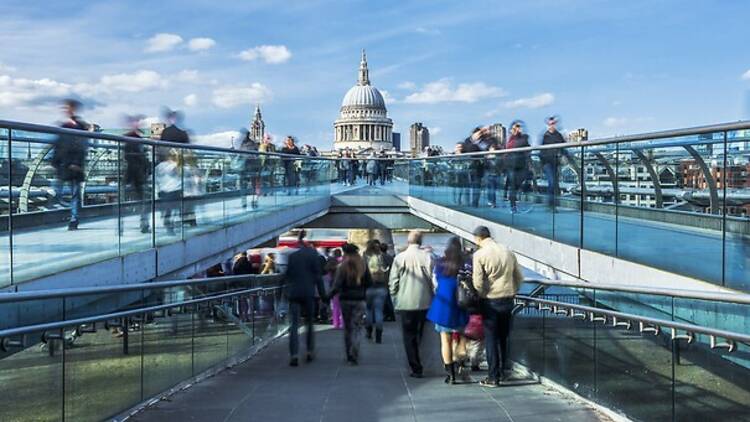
column 419, row 138
column 578, row 135
column 397, row 141
column 497, row 130
column 257, row 126
column 156, row 130
column 363, row 122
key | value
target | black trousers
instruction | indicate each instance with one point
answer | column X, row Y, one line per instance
column 412, row 327
column 296, row 308
column 497, row 315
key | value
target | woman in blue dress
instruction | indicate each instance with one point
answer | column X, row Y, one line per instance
column 444, row 311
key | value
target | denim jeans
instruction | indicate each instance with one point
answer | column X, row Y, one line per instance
column 75, row 196
column 296, row 307
column 492, row 185
column 375, row 305
column 551, row 174
column 497, row 315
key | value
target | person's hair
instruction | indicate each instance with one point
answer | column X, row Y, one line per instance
column 482, row 232
column 414, row 238
column 384, row 247
column 453, row 257
column 271, row 255
column 337, row 253
column 373, row 247
column 72, row 103
column 352, row 268
column 301, row 235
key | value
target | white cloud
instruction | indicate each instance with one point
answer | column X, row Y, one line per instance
column 443, row 91
column 537, row 101
column 190, row 100
column 746, row 75
column 273, row 54
column 407, row 85
column 232, row 96
column 187, row 75
column 199, row 44
column 132, row 82
column 148, row 121
column 615, row 121
column 435, row 130
column 218, row 139
column 387, row 97
column 162, row 42
column 22, row 92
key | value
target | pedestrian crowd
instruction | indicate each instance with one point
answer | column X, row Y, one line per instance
column 467, row 297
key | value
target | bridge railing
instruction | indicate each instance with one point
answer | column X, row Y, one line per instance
column 652, row 355
column 674, row 200
column 99, row 366
column 135, row 194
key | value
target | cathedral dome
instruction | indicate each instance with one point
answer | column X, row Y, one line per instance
column 363, row 96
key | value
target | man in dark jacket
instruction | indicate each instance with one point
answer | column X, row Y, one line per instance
column 290, row 171
column 304, row 274
column 550, row 159
column 475, row 165
column 68, row 158
column 172, row 133
column 516, row 163
column 137, row 170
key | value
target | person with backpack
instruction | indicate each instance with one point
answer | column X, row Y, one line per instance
column 376, row 295
column 444, row 312
column 351, row 283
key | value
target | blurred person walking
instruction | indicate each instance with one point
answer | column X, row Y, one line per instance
column 475, row 164
column 496, row 278
column 411, row 289
column 337, row 319
column 376, row 294
column 137, row 169
column 372, row 168
column 290, row 165
column 266, row 164
column 516, row 163
column 444, row 312
column 168, row 174
column 550, row 160
column 69, row 158
column 351, row 283
column 389, row 313
column 304, row 274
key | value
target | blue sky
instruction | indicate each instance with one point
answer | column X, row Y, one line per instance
column 614, row 67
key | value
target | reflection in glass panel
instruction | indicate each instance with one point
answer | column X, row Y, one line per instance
column 167, row 350
column 209, row 335
column 93, row 361
column 569, row 345
column 737, row 208
column 600, row 166
column 567, row 215
column 6, row 207
column 31, row 380
column 206, row 183
column 670, row 217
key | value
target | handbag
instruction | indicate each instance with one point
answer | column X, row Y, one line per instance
column 466, row 296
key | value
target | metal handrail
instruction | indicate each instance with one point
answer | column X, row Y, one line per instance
column 648, row 321
column 738, row 298
column 54, row 130
column 648, row 136
column 49, row 326
column 119, row 288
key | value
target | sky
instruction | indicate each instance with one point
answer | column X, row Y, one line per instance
column 613, row 67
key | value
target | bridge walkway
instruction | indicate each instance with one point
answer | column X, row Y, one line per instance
column 379, row 389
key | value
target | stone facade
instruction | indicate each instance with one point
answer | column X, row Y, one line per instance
column 363, row 121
